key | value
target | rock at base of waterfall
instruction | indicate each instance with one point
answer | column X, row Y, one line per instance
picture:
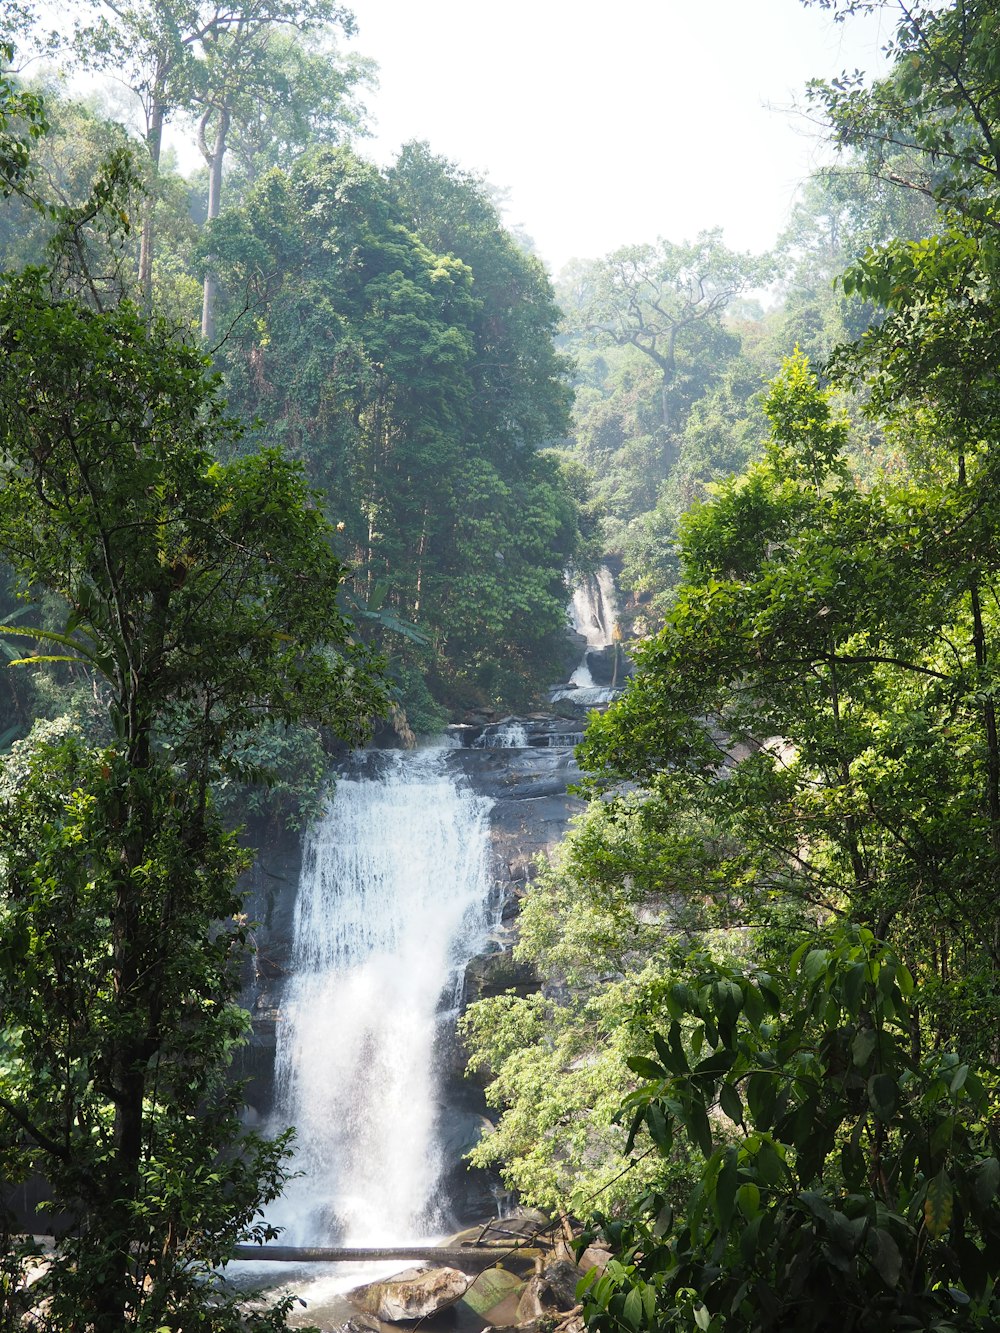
column 570, row 1323
column 353, row 1325
column 493, row 1293
column 415, row 1293
column 527, row 1223
column 551, row 1292
column 594, row 1256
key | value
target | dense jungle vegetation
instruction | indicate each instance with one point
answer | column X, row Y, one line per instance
column 296, row 444
column 763, row 1058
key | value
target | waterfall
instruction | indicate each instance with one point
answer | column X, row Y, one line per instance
column 509, row 735
column 594, row 614
column 393, row 901
column 594, row 608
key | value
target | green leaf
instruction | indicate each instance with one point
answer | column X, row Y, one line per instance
column 854, row 1165
column 854, row 984
column 632, row 1311
column 815, row 966
column 885, row 1256
column 770, row 1165
column 725, row 1190
column 986, row 1181
column 698, row 1126
column 729, row 1101
column 634, row 1126
column 719, row 1062
column 753, row 1005
column 943, row 1134
column 664, row 1221
column 883, row 1095
column 659, row 1128
column 663, row 1051
column 817, row 1206
column 679, row 1062
column 749, row 1237
column 798, row 955
column 640, row 1064
column 938, row 1205
column 761, row 1092
column 728, row 1000
column 863, row 1046
column 748, row 1200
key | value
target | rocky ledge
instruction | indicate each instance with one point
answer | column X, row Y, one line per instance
column 529, row 1286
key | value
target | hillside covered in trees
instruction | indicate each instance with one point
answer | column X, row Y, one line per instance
column 294, row 447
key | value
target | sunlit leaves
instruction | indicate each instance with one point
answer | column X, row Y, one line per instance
column 836, row 1158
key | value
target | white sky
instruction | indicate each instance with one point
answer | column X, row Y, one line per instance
column 615, row 122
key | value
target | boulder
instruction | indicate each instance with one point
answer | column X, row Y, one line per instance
column 550, row 1292
column 416, row 1293
column 492, row 1289
column 561, row 1277
column 525, row 1224
column 594, row 1256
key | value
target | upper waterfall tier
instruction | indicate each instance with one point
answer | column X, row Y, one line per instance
column 593, row 613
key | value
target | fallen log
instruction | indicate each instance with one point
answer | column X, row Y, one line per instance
column 451, row 1255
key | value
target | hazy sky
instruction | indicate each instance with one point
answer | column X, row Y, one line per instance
column 614, row 122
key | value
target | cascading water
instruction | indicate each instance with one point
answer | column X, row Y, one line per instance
column 393, row 901
column 593, row 614
column 509, row 735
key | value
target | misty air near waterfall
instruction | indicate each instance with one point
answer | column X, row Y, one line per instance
column 500, row 636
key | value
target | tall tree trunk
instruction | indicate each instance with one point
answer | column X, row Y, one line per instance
column 154, row 145
column 991, row 792
column 214, row 157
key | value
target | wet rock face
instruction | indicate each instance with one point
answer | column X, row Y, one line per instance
column 270, row 887
column 532, row 807
column 608, row 666
column 496, row 974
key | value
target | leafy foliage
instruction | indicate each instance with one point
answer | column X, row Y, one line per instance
column 93, row 1012
column 824, row 637
column 849, row 1179
column 417, row 390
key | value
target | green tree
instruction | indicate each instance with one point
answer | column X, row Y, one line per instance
column 939, row 106
column 171, row 54
column 201, row 596
column 311, row 99
column 836, row 640
column 602, row 925
column 418, row 404
column 841, row 212
column 22, row 122
column 665, row 300
column 245, row 67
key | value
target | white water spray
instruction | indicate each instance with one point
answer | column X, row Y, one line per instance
column 507, row 735
column 393, row 901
